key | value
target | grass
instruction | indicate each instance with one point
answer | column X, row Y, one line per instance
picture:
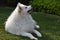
column 49, row 26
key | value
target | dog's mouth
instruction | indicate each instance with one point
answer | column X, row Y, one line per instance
column 29, row 11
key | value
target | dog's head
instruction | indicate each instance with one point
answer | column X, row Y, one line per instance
column 24, row 8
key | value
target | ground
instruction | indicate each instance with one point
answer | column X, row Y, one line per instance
column 49, row 26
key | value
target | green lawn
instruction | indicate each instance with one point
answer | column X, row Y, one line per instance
column 49, row 26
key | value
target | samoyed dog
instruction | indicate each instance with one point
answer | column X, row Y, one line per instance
column 20, row 22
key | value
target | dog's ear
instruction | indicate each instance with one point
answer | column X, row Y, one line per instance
column 19, row 9
column 18, row 4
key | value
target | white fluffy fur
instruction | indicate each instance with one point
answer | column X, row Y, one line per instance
column 21, row 23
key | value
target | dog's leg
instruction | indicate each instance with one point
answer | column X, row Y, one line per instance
column 37, row 33
column 29, row 35
column 37, row 26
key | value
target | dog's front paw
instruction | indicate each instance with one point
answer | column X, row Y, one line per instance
column 34, row 39
column 37, row 26
column 39, row 35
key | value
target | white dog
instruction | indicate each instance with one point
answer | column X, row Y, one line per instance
column 20, row 22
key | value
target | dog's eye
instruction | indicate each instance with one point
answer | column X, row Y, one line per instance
column 25, row 7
